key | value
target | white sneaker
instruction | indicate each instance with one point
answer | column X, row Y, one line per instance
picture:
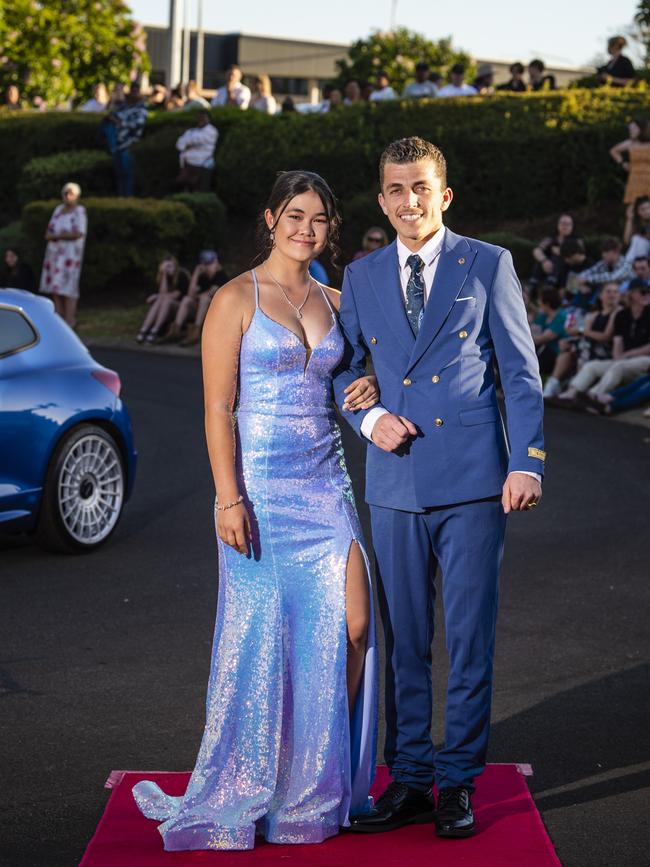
column 552, row 387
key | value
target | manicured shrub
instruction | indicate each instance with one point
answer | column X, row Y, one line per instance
column 43, row 177
column 210, row 222
column 126, row 239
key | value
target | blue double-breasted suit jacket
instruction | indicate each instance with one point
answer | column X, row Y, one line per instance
column 444, row 380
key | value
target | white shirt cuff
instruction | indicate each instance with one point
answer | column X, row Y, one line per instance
column 369, row 420
column 523, row 472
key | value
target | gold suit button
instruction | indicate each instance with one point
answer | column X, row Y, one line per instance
column 373, row 340
column 435, row 378
column 439, row 422
column 462, row 335
column 407, row 381
column 461, row 261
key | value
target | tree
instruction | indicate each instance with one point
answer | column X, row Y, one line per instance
column 642, row 22
column 56, row 49
column 397, row 53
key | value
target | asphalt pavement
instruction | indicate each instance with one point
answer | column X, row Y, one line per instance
column 104, row 658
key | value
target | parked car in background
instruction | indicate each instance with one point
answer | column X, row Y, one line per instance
column 67, row 457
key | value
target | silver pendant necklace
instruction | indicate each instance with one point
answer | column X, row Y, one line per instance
column 298, row 309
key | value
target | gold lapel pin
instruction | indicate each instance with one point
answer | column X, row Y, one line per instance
column 461, row 261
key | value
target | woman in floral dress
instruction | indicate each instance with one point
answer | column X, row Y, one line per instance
column 65, row 236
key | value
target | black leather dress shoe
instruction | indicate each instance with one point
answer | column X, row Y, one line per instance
column 399, row 805
column 454, row 816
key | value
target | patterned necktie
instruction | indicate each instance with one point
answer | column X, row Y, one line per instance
column 415, row 293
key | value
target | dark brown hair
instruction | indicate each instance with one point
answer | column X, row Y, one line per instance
column 413, row 150
column 288, row 186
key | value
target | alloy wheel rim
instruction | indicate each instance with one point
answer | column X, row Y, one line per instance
column 90, row 489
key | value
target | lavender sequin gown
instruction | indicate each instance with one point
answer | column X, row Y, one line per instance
column 280, row 754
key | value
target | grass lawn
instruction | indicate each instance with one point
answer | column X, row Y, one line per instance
column 112, row 321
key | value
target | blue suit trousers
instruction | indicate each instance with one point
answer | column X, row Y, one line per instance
column 466, row 542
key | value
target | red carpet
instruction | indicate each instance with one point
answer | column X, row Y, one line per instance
column 511, row 834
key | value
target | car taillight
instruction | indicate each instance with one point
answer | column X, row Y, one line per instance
column 110, row 379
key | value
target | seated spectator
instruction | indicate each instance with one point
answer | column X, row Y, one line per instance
column 12, row 99
column 422, row 87
column 635, row 393
column 457, row 85
column 172, row 283
column 263, row 99
column 630, row 351
column 99, row 101
column 516, row 84
column 158, row 98
column 618, row 71
column 193, row 98
column 548, row 328
column 335, row 100
column 16, row 274
column 382, row 89
column 176, row 99
column 611, row 267
column 484, row 81
column 537, row 79
column 326, row 90
column 640, row 271
column 352, row 92
column 208, row 276
column 636, row 233
column 436, row 80
column 196, row 147
column 233, row 92
column 374, row 239
column 589, row 337
column 547, row 256
column 574, row 261
column 288, row 105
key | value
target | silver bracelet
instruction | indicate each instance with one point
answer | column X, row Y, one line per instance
column 218, row 508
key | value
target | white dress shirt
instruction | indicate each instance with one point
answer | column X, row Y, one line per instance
column 242, row 96
column 197, row 145
column 458, row 90
column 382, row 94
column 421, row 90
column 430, row 255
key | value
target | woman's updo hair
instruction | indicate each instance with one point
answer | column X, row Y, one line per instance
column 287, row 186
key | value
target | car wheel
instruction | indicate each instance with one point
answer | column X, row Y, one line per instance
column 83, row 493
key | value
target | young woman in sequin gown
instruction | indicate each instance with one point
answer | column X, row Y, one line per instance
column 290, row 738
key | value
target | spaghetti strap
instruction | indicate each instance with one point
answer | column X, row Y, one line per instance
column 327, row 300
column 257, row 288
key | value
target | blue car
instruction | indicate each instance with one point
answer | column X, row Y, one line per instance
column 67, row 458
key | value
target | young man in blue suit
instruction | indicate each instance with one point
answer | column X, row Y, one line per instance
column 435, row 310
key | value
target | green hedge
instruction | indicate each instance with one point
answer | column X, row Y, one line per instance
column 126, row 239
column 43, row 177
column 210, row 223
column 24, row 136
column 510, row 156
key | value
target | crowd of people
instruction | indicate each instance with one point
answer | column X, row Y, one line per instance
column 257, row 95
column 590, row 320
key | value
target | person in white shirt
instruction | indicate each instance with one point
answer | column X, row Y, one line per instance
column 422, row 87
column 457, row 85
column 263, row 99
column 99, row 102
column 196, row 147
column 193, row 98
column 382, row 90
column 233, row 92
